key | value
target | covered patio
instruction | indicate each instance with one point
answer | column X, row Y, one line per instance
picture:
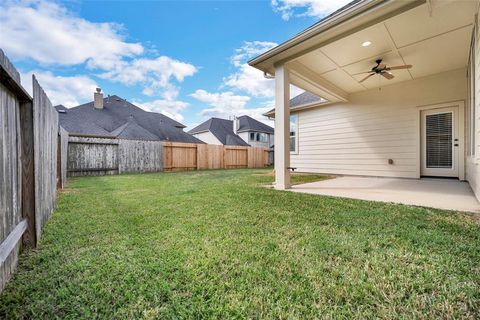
column 396, row 101
column 447, row 194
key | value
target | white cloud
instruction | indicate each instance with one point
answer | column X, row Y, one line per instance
column 221, row 104
column 247, row 78
column 251, row 81
column 226, row 105
column 249, row 50
column 46, row 32
column 169, row 108
column 69, row 91
column 243, row 85
column 154, row 74
column 311, row 8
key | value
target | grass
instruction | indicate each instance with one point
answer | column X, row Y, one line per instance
column 295, row 177
column 218, row 245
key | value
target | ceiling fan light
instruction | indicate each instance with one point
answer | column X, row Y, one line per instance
column 366, row 43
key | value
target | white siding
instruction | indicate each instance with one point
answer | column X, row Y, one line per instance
column 358, row 137
column 473, row 168
column 246, row 137
column 207, row 137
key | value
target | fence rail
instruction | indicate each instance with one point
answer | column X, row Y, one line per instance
column 190, row 156
column 100, row 156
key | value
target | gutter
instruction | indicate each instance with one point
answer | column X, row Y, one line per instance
column 249, row 130
column 203, row 131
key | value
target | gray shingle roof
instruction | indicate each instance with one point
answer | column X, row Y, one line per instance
column 222, row 129
column 247, row 123
column 302, row 99
column 122, row 119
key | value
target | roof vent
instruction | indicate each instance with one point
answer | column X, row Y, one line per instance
column 62, row 111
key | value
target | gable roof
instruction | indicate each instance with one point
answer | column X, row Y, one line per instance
column 247, row 123
column 122, row 119
column 304, row 99
column 131, row 130
column 222, row 129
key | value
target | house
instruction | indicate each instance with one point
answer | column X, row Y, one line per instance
column 398, row 82
column 297, row 103
column 242, row 131
column 114, row 117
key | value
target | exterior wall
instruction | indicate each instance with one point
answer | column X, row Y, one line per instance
column 246, row 137
column 472, row 118
column 207, row 137
column 358, row 137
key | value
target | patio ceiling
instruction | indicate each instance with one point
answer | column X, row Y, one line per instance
column 434, row 37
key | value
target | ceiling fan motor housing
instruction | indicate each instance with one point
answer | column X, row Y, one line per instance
column 379, row 68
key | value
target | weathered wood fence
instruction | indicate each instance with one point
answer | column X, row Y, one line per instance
column 100, row 156
column 28, row 160
column 45, row 132
column 62, row 158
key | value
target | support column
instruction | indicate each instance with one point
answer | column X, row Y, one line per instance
column 282, row 127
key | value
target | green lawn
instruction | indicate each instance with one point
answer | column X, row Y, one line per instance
column 219, row 245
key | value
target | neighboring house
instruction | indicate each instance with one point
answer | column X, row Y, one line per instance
column 413, row 114
column 242, row 131
column 114, row 117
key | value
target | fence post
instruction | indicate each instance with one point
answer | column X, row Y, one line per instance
column 198, row 156
column 224, row 157
column 28, row 174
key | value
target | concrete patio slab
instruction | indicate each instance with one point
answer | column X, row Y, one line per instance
column 428, row 192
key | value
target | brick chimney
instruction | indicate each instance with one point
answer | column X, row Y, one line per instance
column 98, row 99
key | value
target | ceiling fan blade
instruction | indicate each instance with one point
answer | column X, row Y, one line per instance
column 365, row 72
column 387, row 75
column 381, row 66
column 371, row 74
column 407, row 66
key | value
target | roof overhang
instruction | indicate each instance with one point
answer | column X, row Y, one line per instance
column 271, row 113
column 197, row 132
column 250, row 130
column 353, row 18
column 330, row 59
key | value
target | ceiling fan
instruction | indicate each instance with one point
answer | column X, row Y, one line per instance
column 383, row 70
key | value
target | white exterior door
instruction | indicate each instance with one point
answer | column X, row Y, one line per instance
column 440, row 142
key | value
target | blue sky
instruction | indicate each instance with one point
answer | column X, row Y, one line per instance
column 186, row 59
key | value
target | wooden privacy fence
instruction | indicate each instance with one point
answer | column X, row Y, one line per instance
column 190, row 156
column 28, row 162
column 45, row 127
column 101, row 156
column 62, row 158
